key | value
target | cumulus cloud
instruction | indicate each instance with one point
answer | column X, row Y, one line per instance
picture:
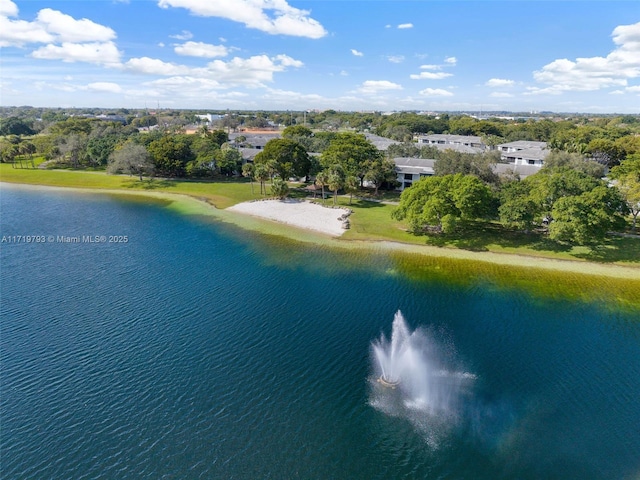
column 153, row 66
column 404, row 26
column 199, row 49
column 357, row 53
column 19, row 32
column 434, row 72
column 501, row 95
column 68, row 29
column 275, row 17
column 499, row 82
column 98, row 53
column 430, row 75
column 435, row 92
column 253, row 71
column 8, row 8
column 377, row 86
column 595, row 73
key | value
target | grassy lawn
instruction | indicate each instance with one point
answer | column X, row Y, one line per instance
column 222, row 194
column 371, row 219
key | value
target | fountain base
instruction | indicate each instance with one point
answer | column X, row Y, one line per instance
column 388, row 383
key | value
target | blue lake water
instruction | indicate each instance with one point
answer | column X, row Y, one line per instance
column 198, row 350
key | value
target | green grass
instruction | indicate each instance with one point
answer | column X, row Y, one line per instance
column 222, row 194
column 371, row 219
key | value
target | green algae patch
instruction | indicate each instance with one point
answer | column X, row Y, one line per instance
column 537, row 282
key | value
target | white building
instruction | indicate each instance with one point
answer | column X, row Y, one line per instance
column 411, row 170
column 443, row 139
column 524, row 152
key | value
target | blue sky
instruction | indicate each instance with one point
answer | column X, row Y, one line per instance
column 569, row 56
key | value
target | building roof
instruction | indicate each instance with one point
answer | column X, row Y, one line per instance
column 523, row 145
column 414, row 165
column 381, row 143
column 456, row 147
column 528, row 154
column 453, row 138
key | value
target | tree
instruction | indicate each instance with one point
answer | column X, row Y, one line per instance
column 228, row 160
column 322, row 179
column 380, row 171
column 132, row 159
column 351, row 186
column 170, row 154
column 627, row 177
column 248, row 171
column 335, row 180
column 295, row 131
column 587, row 218
column 517, row 209
column 15, row 126
column 440, row 202
column 352, row 151
column 262, row 174
column 451, row 162
column 288, row 158
column 574, row 161
column 279, row 188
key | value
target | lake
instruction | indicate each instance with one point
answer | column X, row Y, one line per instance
column 139, row 343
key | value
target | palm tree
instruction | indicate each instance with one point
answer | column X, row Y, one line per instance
column 322, row 178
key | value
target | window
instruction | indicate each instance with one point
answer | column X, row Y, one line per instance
column 532, row 162
column 408, row 176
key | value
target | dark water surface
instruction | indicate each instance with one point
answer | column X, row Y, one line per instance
column 196, row 350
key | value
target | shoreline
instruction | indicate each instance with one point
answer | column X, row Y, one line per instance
column 193, row 205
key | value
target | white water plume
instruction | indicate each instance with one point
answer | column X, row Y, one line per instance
column 416, row 377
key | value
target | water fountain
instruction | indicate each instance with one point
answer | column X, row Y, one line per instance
column 416, row 373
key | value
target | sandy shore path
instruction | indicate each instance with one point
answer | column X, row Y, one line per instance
column 298, row 213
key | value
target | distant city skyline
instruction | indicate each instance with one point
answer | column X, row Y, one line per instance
column 518, row 56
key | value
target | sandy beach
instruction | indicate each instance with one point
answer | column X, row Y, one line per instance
column 298, row 213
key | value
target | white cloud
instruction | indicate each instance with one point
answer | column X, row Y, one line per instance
column 18, row 33
column 357, row 53
column 404, row 26
column 499, row 82
column 634, row 89
column 184, row 35
column 450, row 60
column 344, row 73
column 501, row 95
column 396, row 58
column 252, row 72
column 285, row 19
column 376, row 86
column 430, row 75
column 8, row 8
column 199, row 49
column 594, row 73
column 98, row 53
column 435, row 92
column 104, row 87
column 430, row 67
column 68, row 29
column 153, row 66
column 617, row 92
